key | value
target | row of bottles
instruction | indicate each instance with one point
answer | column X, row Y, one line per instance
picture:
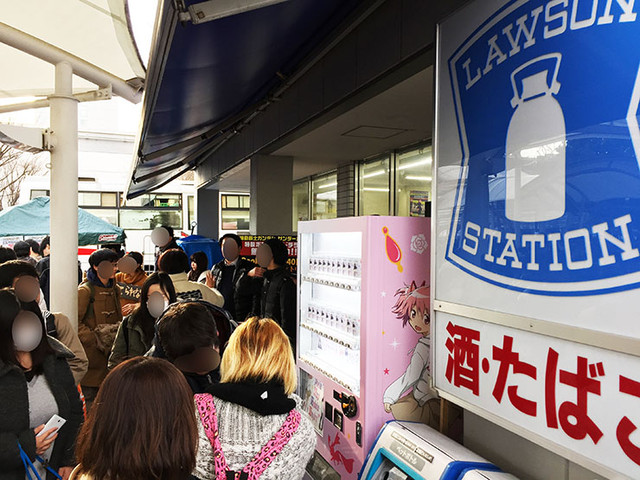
column 342, row 266
column 325, row 316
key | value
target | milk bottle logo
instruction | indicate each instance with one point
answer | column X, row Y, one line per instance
column 535, row 146
column 546, row 106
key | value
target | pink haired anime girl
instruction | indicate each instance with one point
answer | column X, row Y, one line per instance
column 420, row 403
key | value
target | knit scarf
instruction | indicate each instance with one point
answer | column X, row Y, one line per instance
column 262, row 398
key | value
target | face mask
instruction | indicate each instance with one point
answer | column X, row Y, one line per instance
column 157, row 304
column 230, row 250
column 264, row 255
column 127, row 265
column 160, row 236
column 26, row 331
column 27, row 289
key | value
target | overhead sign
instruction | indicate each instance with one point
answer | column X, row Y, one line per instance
column 561, row 391
column 546, row 102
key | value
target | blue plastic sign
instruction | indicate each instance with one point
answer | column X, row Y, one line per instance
column 546, row 97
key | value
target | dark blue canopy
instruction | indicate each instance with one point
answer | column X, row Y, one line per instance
column 205, row 78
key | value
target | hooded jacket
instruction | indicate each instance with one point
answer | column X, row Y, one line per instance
column 14, row 414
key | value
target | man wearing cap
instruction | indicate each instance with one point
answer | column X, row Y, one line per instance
column 277, row 299
column 188, row 336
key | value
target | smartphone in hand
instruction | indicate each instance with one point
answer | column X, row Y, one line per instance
column 55, row 422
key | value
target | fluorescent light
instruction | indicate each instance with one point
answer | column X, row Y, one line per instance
column 418, row 178
column 374, row 174
column 373, row 189
column 426, row 161
column 327, row 185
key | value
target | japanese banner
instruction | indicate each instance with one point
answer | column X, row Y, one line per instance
column 583, row 398
column 250, row 245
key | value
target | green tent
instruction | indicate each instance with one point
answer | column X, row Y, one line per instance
column 32, row 219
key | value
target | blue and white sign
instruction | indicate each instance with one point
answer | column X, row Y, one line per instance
column 546, row 98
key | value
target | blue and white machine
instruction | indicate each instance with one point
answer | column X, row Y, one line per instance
column 413, row 451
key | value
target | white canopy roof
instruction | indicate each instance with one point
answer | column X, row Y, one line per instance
column 94, row 31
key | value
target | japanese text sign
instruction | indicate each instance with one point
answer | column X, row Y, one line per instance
column 559, row 390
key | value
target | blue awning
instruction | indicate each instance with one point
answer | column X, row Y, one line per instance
column 205, row 79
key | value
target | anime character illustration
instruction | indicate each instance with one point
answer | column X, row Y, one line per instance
column 420, row 402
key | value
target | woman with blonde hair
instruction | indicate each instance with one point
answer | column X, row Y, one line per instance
column 251, row 425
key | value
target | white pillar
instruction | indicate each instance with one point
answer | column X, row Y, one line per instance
column 64, row 196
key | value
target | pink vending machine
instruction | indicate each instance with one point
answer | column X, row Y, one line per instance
column 363, row 334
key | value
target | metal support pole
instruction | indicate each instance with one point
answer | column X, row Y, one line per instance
column 64, row 196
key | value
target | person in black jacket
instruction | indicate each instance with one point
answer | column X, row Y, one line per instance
column 277, row 299
column 162, row 237
column 35, row 383
column 231, row 278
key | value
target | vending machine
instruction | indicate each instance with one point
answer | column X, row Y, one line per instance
column 363, row 333
column 413, row 451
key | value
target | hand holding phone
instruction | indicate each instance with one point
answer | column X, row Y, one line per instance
column 54, row 423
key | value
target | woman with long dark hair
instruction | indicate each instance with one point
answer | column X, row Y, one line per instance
column 135, row 334
column 199, row 267
column 35, row 384
column 142, row 425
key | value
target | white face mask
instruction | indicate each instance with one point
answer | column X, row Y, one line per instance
column 157, row 304
column 26, row 331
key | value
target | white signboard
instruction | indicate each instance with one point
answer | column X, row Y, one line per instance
column 537, row 218
column 581, row 398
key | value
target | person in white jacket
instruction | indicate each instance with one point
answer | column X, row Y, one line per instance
column 176, row 263
column 421, row 402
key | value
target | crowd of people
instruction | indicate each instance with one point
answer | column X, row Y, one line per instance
column 188, row 372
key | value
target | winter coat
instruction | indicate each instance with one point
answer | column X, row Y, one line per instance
column 186, row 290
column 65, row 333
column 124, row 281
column 130, row 342
column 278, row 300
column 14, row 414
column 244, row 288
column 106, row 309
column 160, row 250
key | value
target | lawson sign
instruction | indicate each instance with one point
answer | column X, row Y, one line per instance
column 546, row 97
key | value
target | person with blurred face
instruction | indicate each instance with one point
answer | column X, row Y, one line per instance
column 99, row 314
column 277, row 298
column 162, row 237
column 231, row 278
column 23, row 278
column 136, row 332
column 35, row 384
column 130, row 278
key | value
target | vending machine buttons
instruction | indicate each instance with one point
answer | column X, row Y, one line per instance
column 359, row 434
column 328, row 411
column 338, row 419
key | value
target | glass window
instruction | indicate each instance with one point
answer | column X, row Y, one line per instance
column 235, row 219
column 324, row 192
column 300, row 203
column 105, row 214
column 374, row 187
column 157, row 200
column 191, row 210
column 413, row 182
column 150, row 219
column 39, row 193
column 110, row 199
column 89, row 199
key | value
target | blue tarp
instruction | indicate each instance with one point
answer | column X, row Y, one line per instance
column 198, row 243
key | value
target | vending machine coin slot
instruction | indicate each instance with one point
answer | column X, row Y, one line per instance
column 359, row 434
column 349, row 405
column 328, row 411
